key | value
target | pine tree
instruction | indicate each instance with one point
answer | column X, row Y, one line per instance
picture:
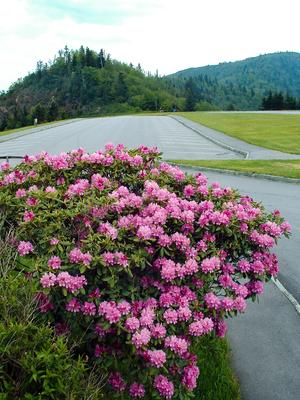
column 190, row 94
column 52, row 110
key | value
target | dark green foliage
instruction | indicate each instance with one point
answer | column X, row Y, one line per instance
column 191, row 95
column 276, row 101
column 243, row 84
column 35, row 364
column 82, row 83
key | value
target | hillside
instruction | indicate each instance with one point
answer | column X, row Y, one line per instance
column 243, row 84
column 82, row 83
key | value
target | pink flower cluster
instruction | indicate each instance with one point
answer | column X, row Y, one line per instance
column 146, row 258
column 64, row 280
column 76, row 256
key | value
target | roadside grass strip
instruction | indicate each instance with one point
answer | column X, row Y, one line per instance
column 285, row 168
column 216, row 380
column 272, row 131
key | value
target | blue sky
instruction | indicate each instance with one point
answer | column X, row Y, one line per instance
column 163, row 35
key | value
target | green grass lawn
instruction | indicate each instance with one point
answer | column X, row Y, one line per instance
column 216, row 380
column 273, row 131
column 287, row 168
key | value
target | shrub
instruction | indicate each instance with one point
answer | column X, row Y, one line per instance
column 34, row 362
column 137, row 260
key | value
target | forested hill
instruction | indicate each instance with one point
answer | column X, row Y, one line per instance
column 243, row 84
column 84, row 82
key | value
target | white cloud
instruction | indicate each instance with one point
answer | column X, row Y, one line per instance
column 165, row 35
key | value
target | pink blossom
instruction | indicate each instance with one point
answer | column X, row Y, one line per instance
column 210, row 264
column 157, row 358
column 31, row 201
column 147, row 317
column 141, row 338
column 25, row 248
column 212, row 301
column 54, row 241
column 244, row 266
column 20, row 193
column 170, row 316
column 124, row 307
column 50, row 189
column 117, row 382
column 168, row 270
column 221, row 328
column 227, row 304
column 28, row 216
column 107, row 229
column 144, row 232
column 184, row 313
column 190, row 376
column 73, row 305
column 240, row 304
column 189, row 191
column 48, row 280
column 137, row 390
column 54, row 262
column 164, row 386
column 158, row 331
column 285, row 227
column 71, row 283
column 88, row 308
column 110, row 311
column 176, row 344
column 132, row 324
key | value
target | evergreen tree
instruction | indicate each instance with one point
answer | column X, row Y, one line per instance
column 101, row 59
column 190, row 94
column 121, row 88
column 52, row 110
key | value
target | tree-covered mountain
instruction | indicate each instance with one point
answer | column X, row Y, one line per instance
column 244, row 84
column 84, row 82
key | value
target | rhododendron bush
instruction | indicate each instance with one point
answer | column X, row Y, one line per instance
column 137, row 259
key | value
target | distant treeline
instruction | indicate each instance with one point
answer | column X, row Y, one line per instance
column 279, row 101
column 84, row 82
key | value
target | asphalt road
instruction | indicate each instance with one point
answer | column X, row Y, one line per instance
column 171, row 137
column 266, row 339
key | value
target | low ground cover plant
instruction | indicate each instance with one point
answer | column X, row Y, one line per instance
column 136, row 261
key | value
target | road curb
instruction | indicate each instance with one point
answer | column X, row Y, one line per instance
column 239, row 173
column 245, row 154
column 38, row 129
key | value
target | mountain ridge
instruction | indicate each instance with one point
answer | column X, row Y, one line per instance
column 243, row 84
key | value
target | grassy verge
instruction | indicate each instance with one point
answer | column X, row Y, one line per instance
column 216, row 380
column 25, row 128
column 273, row 131
column 286, row 168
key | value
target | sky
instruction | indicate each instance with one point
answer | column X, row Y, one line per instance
column 163, row 35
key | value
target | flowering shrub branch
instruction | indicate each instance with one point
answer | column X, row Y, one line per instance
column 137, row 258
